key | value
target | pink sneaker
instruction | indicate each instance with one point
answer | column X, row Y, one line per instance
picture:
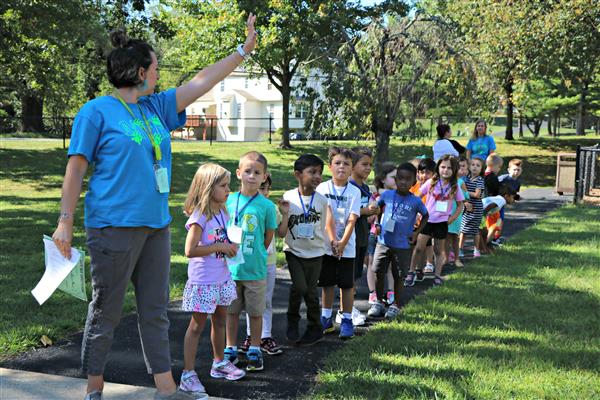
column 227, row 370
column 451, row 257
column 191, row 383
column 372, row 297
column 476, row 253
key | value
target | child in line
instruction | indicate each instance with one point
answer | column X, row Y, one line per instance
column 493, row 166
column 493, row 204
column 338, row 261
column 384, row 180
column 267, row 343
column 362, row 165
column 252, row 225
column 209, row 289
column 472, row 219
column 512, row 178
column 425, row 171
column 304, row 248
column 454, row 227
column 441, row 190
column 397, row 235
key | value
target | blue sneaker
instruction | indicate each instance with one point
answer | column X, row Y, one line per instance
column 327, row 324
column 346, row 329
column 255, row 360
column 231, row 355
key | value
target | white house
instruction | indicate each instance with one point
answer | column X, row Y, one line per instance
column 239, row 107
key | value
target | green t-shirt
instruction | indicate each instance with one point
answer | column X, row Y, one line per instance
column 272, row 250
column 255, row 216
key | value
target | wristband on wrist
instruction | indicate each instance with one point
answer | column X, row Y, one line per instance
column 63, row 216
column 240, row 50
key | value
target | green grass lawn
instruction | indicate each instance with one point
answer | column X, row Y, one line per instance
column 31, row 174
column 523, row 324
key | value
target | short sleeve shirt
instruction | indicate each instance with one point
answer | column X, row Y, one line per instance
column 122, row 189
column 442, row 147
column 482, row 146
column 440, row 194
column 255, row 216
column 343, row 201
column 403, row 211
column 498, row 200
column 212, row 268
column 515, row 184
column 272, row 250
column 312, row 210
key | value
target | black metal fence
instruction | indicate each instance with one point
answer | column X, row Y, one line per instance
column 587, row 172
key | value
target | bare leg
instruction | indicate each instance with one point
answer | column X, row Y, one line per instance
column 370, row 274
column 231, row 327
column 439, row 248
column 95, row 383
column 347, row 299
column 217, row 332
column 327, row 296
column 190, row 342
column 255, row 330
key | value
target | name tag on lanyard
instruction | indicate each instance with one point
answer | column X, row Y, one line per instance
column 162, row 179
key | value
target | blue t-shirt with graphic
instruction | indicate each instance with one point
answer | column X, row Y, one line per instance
column 122, row 189
column 255, row 217
column 482, row 146
column 403, row 210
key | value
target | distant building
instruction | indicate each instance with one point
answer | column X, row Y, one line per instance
column 239, row 108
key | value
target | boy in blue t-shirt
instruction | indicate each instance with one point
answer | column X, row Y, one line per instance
column 396, row 237
column 252, row 224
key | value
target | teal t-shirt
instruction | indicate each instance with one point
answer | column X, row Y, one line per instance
column 482, row 146
column 122, row 189
column 255, row 216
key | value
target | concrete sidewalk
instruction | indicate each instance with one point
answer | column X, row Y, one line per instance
column 286, row 376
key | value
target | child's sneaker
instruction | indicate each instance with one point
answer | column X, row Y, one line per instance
column 461, row 254
column 358, row 318
column 419, row 276
column 270, row 346
column 458, row 263
column 438, row 281
column 227, row 370
column 192, row 386
column 95, row 395
column 377, row 310
column 392, row 312
column 255, row 360
column 476, row 253
column 327, row 324
column 346, row 329
column 372, row 297
column 410, row 279
column 245, row 346
column 231, row 355
column 451, row 257
column 390, row 297
column 429, row 270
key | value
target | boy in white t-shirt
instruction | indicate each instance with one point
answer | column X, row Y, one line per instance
column 491, row 209
column 304, row 248
column 338, row 261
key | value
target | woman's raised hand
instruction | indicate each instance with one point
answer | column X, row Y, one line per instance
column 250, row 42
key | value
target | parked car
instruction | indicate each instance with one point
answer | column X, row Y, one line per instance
column 297, row 136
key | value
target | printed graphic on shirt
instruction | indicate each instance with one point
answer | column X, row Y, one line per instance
column 217, row 235
column 135, row 129
column 249, row 223
column 294, row 220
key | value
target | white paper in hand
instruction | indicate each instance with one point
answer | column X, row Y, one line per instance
column 57, row 269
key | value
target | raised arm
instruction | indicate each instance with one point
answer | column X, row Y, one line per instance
column 207, row 78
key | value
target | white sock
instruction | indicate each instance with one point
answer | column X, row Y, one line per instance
column 326, row 312
column 347, row 315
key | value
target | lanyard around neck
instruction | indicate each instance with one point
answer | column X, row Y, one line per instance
column 304, row 210
column 237, row 213
column 337, row 195
column 148, row 129
column 361, row 188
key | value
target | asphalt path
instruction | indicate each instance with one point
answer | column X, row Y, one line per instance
column 285, row 376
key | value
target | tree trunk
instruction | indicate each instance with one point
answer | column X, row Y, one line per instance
column 580, row 130
column 383, row 131
column 520, row 126
column 508, row 88
column 285, row 123
column 550, row 124
column 537, row 125
column 32, row 111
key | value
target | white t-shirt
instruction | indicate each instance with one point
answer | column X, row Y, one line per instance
column 343, row 201
column 442, row 147
column 498, row 200
column 316, row 216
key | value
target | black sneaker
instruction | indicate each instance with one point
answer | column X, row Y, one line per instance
column 419, row 275
column 310, row 337
column 292, row 334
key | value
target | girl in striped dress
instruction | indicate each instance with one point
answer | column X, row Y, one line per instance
column 472, row 219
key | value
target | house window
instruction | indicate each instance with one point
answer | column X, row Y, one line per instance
column 300, row 110
column 271, row 110
column 237, row 111
column 246, row 83
column 222, row 86
column 269, row 86
column 192, row 111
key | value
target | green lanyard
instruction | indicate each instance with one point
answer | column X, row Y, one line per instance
column 148, row 130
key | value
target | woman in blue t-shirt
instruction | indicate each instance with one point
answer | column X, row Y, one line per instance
column 126, row 215
column 480, row 145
